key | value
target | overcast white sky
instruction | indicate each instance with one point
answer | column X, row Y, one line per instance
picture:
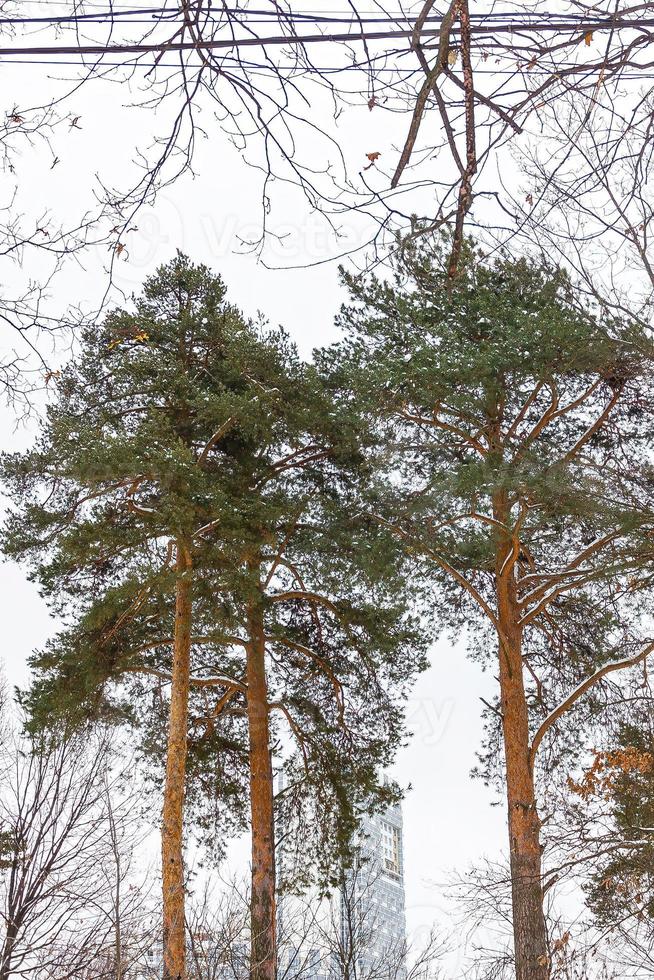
column 449, row 820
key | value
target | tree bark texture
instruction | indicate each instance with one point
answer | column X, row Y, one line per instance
column 172, row 823
column 529, row 927
column 263, row 939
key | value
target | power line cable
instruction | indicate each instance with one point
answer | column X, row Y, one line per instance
column 362, row 69
column 249, row 16
column 264, row 16
column 299, row 39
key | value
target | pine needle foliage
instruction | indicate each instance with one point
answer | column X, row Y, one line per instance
column 508, row 382
column 514, row 427
column 182, row 420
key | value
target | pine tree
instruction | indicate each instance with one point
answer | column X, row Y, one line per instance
column 191, row 510
column 514, row 416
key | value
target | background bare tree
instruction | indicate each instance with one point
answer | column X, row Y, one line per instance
column 337, row 936
column 68, row 892
column 275, row 79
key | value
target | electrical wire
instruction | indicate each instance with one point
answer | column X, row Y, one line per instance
column 302, row 39
column 406, row 73
column 250, row 16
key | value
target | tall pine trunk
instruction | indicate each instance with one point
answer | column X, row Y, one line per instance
column 263, row 939
column 529, row 927
column 172, row 822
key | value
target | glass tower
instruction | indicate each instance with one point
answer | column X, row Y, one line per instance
column 360, row 932
column 372, row 900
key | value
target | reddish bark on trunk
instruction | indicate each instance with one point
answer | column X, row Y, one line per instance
column 529, row 927
column 263, row 962
column 172, row 821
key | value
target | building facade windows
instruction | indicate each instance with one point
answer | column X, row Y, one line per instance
column 391, row 843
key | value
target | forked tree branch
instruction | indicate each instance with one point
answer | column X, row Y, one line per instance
column 581, row 689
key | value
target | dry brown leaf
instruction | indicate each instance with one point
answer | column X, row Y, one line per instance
column 372, row 157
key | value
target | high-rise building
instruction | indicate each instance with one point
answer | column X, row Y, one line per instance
column 361, row 930
column 372, row 898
